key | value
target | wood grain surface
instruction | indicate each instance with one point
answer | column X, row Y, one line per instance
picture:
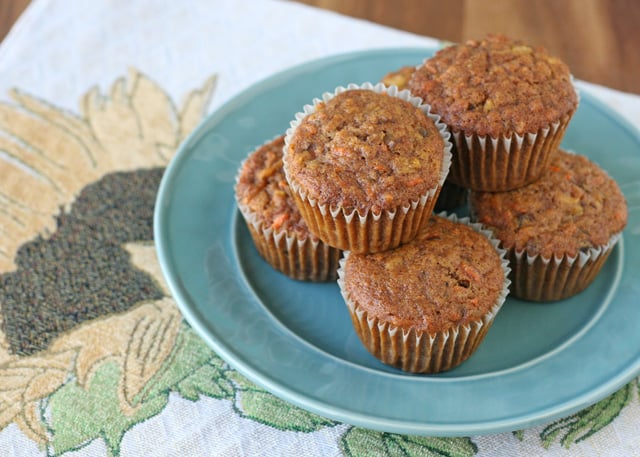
column 598, row 39
column 10, row 10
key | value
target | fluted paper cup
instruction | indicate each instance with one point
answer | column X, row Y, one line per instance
column 418, row 351
column 367, row 231
column 484, row 163
column 536, row 278
column 304, row 259
column 296, row 253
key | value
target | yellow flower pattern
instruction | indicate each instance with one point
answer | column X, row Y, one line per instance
column 47, row 155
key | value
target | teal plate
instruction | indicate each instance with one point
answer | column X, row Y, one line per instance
column 537, row 363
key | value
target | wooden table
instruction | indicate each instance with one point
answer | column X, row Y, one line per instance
column 599, row 39
column 10, row 10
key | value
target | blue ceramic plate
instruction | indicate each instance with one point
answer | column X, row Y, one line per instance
column 538, row 361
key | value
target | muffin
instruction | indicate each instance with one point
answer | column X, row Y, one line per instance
column 558, row 231
column 399, row 78
column 506, row 104
column 451, row 195
column 365, row 165
column 276, row 227
column 426, row 306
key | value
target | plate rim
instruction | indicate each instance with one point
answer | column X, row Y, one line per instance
column 286, row 392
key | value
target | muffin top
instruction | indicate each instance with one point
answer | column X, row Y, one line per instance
column 399, row 78
column 495, row 86
column 366, row 151
column 449, row 275
column 262, row 191
column 574, row 206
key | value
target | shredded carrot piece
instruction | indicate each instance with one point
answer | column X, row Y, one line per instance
column 278, row 221
column 470, row 271
column 415, row 181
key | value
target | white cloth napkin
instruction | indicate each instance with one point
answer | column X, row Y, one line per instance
column 59, row 50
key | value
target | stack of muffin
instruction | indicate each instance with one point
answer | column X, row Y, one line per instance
column 350, row 191
column 508, row 105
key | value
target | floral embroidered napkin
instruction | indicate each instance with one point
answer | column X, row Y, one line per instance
column 95, row 358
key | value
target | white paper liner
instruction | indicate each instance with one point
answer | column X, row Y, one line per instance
column 542, row 279
column 537, row 278
column 418, row 351
column 484, row 163
column 368, row 232
column 303, row 259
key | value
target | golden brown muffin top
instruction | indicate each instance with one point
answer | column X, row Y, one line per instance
column 399, row 78
column 262, row 190
column 574, row 206
column 449, row 275
column 495, row 86
column 367, row 151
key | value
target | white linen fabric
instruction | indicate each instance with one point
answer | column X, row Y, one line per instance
column 59, row 50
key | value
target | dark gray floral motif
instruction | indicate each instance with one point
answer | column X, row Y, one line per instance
column 82, row 271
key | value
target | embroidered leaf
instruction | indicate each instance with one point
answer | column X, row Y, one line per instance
column 242, row 382
column 358, row 441
column 261, row 406
column 149, row 345
column 77, row 416
column 191, row 370
column 257, row 404
column 115, row 126
column 64, row 120
column 23, row 382
column 155, row 111
column 48, row 146
column 585, row 423
column 207, row 380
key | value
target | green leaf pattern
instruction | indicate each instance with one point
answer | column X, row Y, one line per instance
column 585, row 423
column 76, row 416
column 193, row 370
column 358, row 442
column 261, row 406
